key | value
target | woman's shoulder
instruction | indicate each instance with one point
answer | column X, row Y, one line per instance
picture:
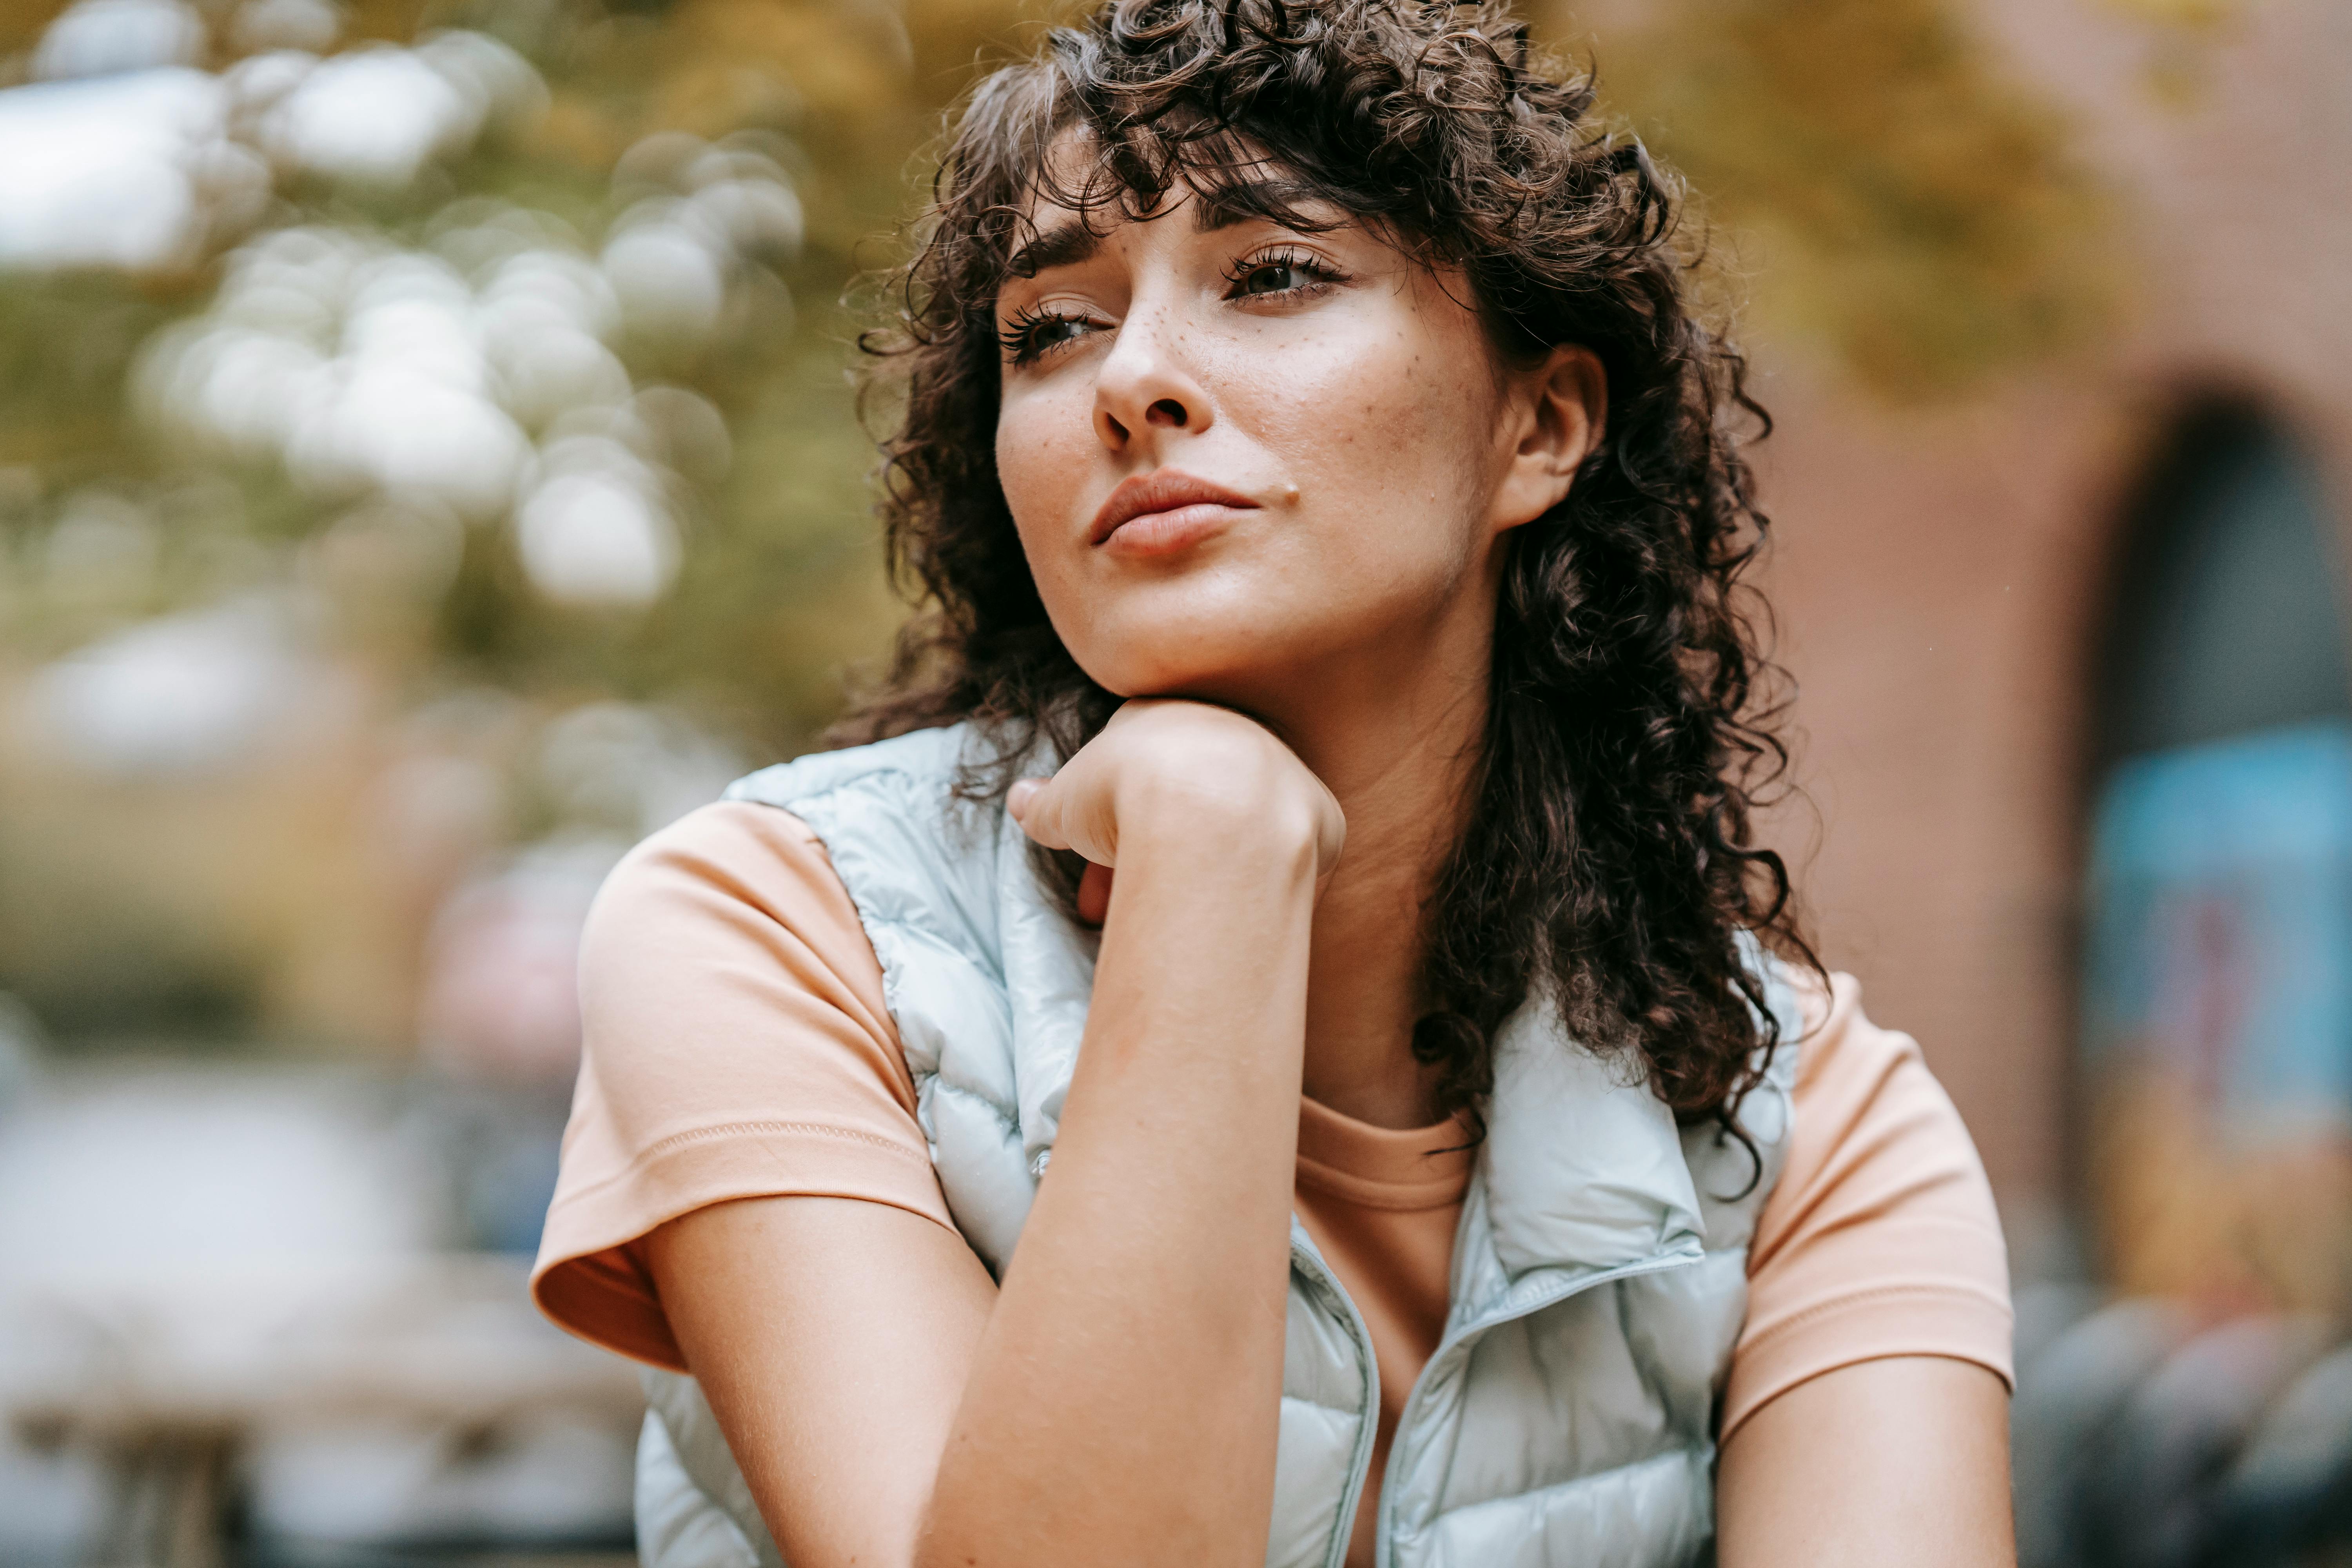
column 740, row 849
column 723, row 953
column 765, row 844
column 1875, row 1138
column 735, row 1042
column 1842, row 1054
column 893, row 819
column 734, row 876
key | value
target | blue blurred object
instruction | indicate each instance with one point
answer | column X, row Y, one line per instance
column 2221, row 893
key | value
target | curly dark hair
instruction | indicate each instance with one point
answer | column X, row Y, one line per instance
column 1610, row 852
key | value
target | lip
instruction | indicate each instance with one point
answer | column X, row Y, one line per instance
column 1163, row 511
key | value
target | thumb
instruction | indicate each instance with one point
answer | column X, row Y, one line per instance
column 1036, row 804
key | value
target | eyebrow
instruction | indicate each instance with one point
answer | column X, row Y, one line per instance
column 1075, row 240
column 1064, row 244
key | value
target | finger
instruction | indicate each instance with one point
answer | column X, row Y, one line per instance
column 1037, row 807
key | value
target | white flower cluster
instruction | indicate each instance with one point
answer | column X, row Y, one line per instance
column 477, row 374
column 124, row 155
column 378, row 114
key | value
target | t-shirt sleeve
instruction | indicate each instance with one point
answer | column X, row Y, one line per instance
column 735, row 1044
column 1881, row 1238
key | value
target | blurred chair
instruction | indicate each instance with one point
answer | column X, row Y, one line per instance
column 2070, row 1391
column 417, row 1401
column 2289, row 1495
column 2152, row 1495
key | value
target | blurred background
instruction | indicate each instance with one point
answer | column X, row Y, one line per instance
column 428, row 463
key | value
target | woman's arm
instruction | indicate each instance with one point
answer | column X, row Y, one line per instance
column 1118, row 1400
column 1899, row 1461
column 833, row 1337
column 1866, row 1412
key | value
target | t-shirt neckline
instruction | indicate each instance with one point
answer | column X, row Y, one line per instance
column 1384, row 1167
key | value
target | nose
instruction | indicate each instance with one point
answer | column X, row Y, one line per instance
column 1147, row 385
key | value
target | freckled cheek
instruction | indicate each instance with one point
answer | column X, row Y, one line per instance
column 1042, row 471
column 1037, row 439
column 1362, row 416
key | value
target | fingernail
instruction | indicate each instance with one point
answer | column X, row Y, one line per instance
column 1017, row 799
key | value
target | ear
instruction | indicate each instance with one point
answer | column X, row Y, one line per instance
column 1556, row 412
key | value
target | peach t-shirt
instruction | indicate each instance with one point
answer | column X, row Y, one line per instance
column 737, row 1044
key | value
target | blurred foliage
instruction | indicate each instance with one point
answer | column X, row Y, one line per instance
column 1920, row 211
column 2179, row 13
column 779, row 583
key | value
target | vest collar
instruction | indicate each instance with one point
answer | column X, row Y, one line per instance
column 1581, row 1173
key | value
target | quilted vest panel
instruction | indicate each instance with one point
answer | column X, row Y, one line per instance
column 1599, row 1277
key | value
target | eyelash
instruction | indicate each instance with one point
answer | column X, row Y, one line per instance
column 1018, row 337
column 1320, row 274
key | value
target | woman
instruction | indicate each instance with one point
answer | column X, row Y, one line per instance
column 1306, row 443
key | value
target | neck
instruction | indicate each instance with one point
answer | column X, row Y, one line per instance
column 1397, row 741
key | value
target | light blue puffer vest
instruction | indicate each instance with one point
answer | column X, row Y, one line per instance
column 1599, row 1274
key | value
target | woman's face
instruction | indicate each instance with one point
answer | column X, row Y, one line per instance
column 1241, row 456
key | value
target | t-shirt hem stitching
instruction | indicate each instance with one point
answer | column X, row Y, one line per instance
column 754, row 1129
column 1851, row 1298
column 1751, row 1408
column 693, row 1136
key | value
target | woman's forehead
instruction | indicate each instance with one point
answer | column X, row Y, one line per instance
column 1223, row 179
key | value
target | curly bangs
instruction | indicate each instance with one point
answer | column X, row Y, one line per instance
column 1608, row 859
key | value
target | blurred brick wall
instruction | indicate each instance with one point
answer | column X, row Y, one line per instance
column 1940, row 574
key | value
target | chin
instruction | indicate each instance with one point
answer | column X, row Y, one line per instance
column 1133, row 678
column 1235, row 670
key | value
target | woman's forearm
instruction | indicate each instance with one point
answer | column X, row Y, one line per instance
column 1124, row 1400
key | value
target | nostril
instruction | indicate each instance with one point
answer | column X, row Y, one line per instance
column 1167, row 411
column 1118, row 432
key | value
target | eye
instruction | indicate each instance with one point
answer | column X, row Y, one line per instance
column 1033, row 333
column 1278, row 273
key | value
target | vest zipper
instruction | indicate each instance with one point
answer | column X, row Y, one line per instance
column 1384, row 1544
column 1360, row 1463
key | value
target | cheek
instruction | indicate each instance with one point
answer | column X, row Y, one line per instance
column 1437, row 413
column 1044, row 449
column 1391, row 428
column 1038, row 432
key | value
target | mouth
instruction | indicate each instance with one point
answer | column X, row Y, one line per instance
column 1155, row 513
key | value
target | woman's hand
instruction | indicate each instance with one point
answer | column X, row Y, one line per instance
column 1198, row 772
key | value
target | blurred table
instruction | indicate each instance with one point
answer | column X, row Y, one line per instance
column 166, row 1376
